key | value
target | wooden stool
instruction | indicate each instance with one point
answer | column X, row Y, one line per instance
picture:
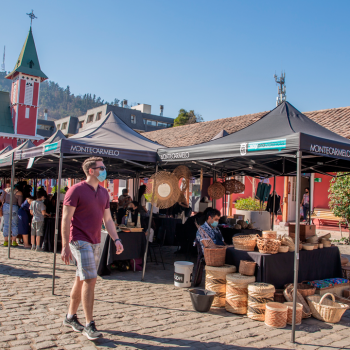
column 276, row 315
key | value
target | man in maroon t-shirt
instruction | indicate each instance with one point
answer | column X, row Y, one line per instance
column 85, row 205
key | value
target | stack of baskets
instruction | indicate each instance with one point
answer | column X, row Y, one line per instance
column 246, row 242
column 289, row 242
column 325, row 240
column 313, row 241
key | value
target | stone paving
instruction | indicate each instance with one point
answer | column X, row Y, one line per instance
column 134, row 314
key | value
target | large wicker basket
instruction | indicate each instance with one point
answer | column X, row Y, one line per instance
column 304, row 289
column 326, row 310
column 268, row 246
column 247, row 268
column 246, row 242
column 215, row 256
column 288, row 294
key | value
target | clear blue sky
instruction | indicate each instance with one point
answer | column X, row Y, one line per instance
column 216, row 57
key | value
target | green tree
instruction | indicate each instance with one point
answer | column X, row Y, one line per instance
column 187, row 117
column 339, row 196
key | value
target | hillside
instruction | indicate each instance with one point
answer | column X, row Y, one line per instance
column 59, row 101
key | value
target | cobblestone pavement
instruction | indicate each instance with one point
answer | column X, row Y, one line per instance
column 133, row 314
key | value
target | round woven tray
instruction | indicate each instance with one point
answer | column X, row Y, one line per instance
column 233, row 186
column 308, row 246
column 298, row 314
column 276, row 315
column 312, row 239
column 163, row 189
column 237, row 293
column 245, row 242
column 258, row 295
column 268, row 246
column 215, row 281
column 216, row 190
column 283, row 249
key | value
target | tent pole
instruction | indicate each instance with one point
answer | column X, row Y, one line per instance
column 297, row 235
column 273, row 208
column 57, row 221
column 11, row 205
column 310, row 199
column 149, row 231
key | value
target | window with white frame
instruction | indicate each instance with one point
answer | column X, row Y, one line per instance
column 133, row 119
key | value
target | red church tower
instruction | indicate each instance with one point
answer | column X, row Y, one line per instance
column 26, row 78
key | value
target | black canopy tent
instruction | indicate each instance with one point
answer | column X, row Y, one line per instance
column 128, row 154
column 283, row 142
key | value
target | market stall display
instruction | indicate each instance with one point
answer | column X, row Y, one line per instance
column 215, row 281
column 276, row 315
column 229, row 232
column 268, row 246
column 237, row 293
column 245, row 243
column 277, row 269
column 259, row 294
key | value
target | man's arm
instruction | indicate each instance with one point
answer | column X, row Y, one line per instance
column 110, row 226
column 67, row 215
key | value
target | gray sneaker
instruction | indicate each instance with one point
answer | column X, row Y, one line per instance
column 91, row 332
column 74, row 323
column 39, row 249
column 33, row 246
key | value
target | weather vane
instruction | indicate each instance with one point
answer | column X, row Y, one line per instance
column 31, row 16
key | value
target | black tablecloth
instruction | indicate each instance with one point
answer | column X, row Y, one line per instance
column 168, row 225
column 134, row 244
column 228, row 233
column 278, row 269
column 49, row 234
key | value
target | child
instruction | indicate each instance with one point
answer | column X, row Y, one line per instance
column 38, row 210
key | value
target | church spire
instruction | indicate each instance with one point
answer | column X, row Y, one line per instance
column 28, row 61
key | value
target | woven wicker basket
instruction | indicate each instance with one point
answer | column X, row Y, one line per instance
column 268, row 246
column 326, row 243
column 326, row 310
column 246, row 243
column 312, row 239
column 237, row 293
column 215, row 281
column 327, row 236
column 308, row 246
column 304, row 289
column 247, row 268
column 215, row 256
column 259, row 294
column 269, row 234
column 298, row 313
column 283, row 249
column 276, row 315
column 216, row 190
column 278, row 297
column 288, row 294
column 320, row 245
column 234, row 186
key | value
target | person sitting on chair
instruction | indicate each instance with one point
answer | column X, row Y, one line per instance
column 210, row 226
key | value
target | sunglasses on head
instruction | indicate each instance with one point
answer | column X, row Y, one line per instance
column 100, row 167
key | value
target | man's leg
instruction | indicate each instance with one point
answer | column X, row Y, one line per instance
column 88, row 294
column 75, row 296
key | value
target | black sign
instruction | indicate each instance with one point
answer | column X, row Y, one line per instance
column 179, row 277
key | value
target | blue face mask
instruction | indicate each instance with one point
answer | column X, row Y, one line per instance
column 215, row 224
column 102, row 176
